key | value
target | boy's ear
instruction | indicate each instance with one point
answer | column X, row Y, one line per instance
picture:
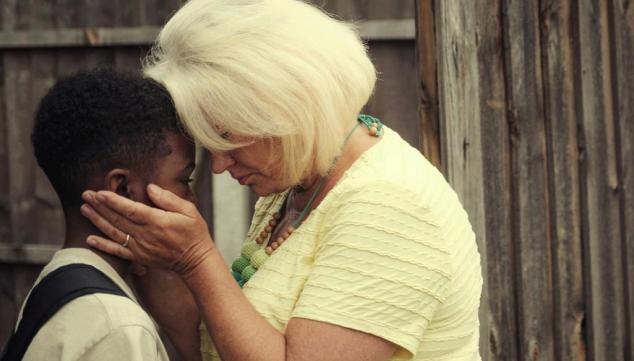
column 118, row 181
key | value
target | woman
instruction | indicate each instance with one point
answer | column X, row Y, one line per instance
column 358, row 248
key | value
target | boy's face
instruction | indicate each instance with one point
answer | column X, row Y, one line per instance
column 172, row 171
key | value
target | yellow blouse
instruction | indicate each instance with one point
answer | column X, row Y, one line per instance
column 389, row 251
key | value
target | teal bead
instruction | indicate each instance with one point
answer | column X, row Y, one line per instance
column 239, row 264
column 237, row 276
column 370, row 121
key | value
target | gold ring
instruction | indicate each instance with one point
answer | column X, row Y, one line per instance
column 127, row 240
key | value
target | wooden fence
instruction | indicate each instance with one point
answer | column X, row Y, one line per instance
column 527, row 107
column 535, row 112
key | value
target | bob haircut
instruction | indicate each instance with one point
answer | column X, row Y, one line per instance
column 280, row 70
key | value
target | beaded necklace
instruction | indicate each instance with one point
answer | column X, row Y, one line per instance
column 254, row 254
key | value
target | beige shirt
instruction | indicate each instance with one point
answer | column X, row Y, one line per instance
column 97, row 326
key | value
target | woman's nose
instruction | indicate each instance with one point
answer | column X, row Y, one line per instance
column 220, row 162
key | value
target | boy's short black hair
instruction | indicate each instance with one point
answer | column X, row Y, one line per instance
column 99, row 120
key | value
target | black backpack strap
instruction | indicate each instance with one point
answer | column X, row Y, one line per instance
column 54, row 291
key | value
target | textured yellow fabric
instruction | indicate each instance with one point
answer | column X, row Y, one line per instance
column 95, row 327
column 389, row 251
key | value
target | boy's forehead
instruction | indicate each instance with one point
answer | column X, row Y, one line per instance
column 179, row 150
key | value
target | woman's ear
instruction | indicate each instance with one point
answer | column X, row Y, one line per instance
column 118, row 181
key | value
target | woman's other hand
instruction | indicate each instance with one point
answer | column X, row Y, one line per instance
column 173, row 236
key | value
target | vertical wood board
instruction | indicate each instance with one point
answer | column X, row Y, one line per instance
column 601, row 226
column 563, row 154
column 531, row 230
column 500, row 343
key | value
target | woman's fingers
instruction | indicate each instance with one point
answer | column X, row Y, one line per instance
column 110, row 247
column 104, row 225
column 123, row 207
column 171, row 202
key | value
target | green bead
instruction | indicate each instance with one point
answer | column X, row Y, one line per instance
column 248, row 272
column 258, row 258
column 248, row 249
column 239, row 264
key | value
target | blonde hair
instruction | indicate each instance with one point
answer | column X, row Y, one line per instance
column 267, row 69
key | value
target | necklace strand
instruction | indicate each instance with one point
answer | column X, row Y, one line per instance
column 253, row 255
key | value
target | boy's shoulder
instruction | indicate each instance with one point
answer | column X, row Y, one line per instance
column 94, row 320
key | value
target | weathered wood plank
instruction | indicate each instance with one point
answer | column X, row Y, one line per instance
column 15, row 283
column 8, row 311
column 622, row 41
column 368, row 9
column 8, row 15
column 529, row 174
column 600, row 188
column 380, row 30
column 394, row 100
column 46, row 211
column 36, row 254
column 5, row 201
column 22, row 14
column 500, row 343
column 128, row 14
column 17, row 93
column 561, row 118
column 67, row 14
column 129, row 58
column 460, row 121
column 68, row 60
column 429, row 128
column 99, row 13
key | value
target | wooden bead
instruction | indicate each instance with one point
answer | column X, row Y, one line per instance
column 373, row 132
column 290, row 229
column 272, row 222
column 268, row 229
column 264, row 234
column 274, row 245
column 277, row 216
column 259, row 240
column 268, row 250
column 280, row 240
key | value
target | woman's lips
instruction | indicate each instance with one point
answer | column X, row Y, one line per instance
column 243, row 180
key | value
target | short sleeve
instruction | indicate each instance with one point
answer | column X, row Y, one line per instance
column 125, row 343
column 380, row 266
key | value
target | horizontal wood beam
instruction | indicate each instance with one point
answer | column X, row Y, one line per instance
column 377, row 30
column 372, row 30
column 38, row 254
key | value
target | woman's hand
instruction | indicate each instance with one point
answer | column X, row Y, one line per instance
column 172, row 236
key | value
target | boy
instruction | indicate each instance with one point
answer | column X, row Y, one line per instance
column 105, row 130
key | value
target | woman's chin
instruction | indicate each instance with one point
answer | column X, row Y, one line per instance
column 263, row 190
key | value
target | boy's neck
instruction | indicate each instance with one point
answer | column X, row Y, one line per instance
column 78, row 228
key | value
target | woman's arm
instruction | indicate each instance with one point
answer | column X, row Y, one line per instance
column 166, row 297
column 240, row 333
column 177, row 237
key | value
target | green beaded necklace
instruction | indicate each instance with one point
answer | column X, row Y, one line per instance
column 254, row 254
